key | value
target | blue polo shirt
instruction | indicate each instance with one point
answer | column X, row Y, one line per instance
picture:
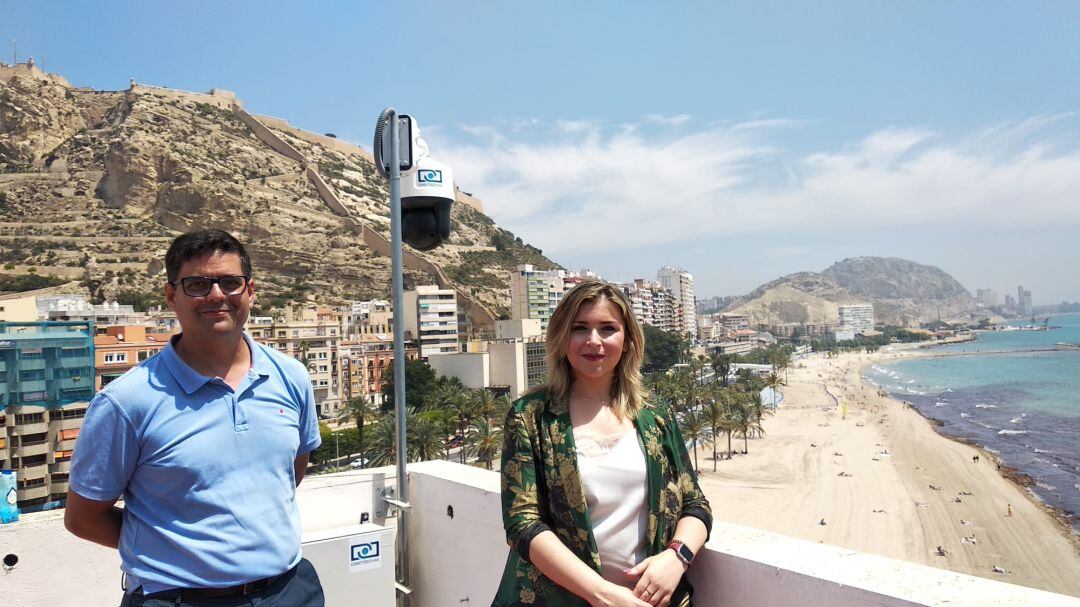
column 206, row 471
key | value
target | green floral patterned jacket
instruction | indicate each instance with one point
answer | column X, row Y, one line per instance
column 542, row 491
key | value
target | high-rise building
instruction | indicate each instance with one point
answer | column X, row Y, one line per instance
column 857, row 317
column 1023, row 301
column 1010, row 302
column 535, row 293
column 430, row 317
column 681, row 284
column 46, row 382
column 987, row 297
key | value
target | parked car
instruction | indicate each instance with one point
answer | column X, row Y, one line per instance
column 360, row 463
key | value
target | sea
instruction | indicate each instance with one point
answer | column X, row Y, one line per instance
column 1012, row 394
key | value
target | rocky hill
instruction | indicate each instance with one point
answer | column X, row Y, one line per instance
column 94, row 184
column 903, row 292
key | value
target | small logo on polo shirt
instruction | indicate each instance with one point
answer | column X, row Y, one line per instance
column 281, row 410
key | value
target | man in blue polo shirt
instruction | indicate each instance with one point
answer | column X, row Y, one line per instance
column 206, row 442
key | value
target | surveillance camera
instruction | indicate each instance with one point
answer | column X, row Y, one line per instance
column 427, row 193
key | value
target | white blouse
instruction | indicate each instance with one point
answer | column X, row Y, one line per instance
column 614, row 478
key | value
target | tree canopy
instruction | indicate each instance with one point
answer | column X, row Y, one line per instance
column 663, row 350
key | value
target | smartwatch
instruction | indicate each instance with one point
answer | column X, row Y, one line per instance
column 685, row 554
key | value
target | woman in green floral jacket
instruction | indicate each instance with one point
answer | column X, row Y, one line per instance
column 649, row 513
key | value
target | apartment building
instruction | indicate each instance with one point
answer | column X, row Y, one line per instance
column 311, row 335
column 681, row 284
column 46, row 382
column 74, row 308
column 375, row 317
column 652, row 304
column 365, row 365
column 120, row 348
column 535, row 293
column 856, row 317
column 430, row 318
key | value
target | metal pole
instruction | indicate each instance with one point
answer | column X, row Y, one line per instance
column 399, row 355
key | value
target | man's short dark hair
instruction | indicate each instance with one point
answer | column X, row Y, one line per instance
column 201, row 243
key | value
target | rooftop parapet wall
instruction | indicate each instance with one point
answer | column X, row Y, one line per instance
column 458, row 549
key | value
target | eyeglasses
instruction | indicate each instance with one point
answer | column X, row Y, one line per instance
column 200, row 286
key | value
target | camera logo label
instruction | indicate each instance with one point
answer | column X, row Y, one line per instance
column 364, row 554
column 429, row 177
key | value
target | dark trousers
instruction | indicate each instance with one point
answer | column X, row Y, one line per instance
column 298, row 588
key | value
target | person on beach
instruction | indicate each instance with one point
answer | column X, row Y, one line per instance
column 601, row 505
column 206, row 442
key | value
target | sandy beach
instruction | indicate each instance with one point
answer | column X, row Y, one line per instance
column 882, row 480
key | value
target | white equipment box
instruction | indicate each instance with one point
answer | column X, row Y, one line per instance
column 355, row 564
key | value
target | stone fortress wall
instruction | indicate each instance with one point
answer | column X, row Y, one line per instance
column 219, row 98
column 7, row 72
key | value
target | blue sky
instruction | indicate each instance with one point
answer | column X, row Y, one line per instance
column 741, row 141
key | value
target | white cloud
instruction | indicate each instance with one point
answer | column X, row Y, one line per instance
column 668, row 121
column 581, row 189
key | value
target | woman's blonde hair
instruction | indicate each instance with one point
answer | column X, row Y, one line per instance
column 627, row 389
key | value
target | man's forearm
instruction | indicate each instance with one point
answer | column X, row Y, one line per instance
column 103, row 529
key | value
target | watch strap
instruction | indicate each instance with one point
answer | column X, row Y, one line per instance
column 685, row 554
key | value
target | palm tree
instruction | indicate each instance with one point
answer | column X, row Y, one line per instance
column 695, row 427
column 721, row 364
column 425, row 439
column 486, row 441
column 423, row 436
column 463, row 404
column 360, row 409
column 384, row 441
column 502, row 407
column 774, row 381
column 750, row 422
column 485, row 403
column 718, row 416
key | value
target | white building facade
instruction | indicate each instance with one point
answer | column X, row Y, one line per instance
column 681, row 284
column 430, row 317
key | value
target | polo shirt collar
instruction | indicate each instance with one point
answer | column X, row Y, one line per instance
column 191, row 380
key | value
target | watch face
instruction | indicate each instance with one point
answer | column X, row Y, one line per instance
column 686, row 553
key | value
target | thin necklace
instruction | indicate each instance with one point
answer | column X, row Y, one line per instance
column 603, row 402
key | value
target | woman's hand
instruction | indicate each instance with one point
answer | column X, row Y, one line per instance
column 659, row 576
column 614, row 595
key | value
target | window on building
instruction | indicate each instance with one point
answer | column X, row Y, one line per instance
column 144, row 354
column 29, row 418
column 115, row 358
column 74, row 352
column 32, row 375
